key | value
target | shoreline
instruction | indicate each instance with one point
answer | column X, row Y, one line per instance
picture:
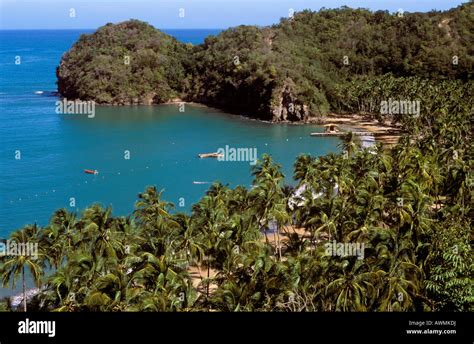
column 386, row 133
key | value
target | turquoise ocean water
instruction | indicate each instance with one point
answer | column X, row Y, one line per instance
column 163, row 143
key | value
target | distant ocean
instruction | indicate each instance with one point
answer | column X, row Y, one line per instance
column 163, row 143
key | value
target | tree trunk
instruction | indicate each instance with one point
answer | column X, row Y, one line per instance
column 208, row 274
column 24, row 288
column 264, row 229
column 278, row 243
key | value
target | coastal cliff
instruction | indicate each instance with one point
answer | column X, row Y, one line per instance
column 305, row 66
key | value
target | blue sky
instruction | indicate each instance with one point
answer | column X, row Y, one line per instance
column 90, row 14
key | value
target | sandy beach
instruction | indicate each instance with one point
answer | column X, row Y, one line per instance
column 386, row 133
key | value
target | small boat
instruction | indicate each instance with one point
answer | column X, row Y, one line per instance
column 343, row 133
column 331, row 128
column 39, row 92
column 91, row 171
column 211, row 155
column 195, row 182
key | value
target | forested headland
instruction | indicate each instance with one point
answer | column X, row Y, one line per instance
column 308, row 65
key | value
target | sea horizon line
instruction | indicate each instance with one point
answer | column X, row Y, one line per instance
column 77, row 29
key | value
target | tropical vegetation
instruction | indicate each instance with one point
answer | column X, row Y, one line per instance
column 291, row 71
column 411, row 206
column 264, row 248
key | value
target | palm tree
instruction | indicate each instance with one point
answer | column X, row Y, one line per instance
column 351, row 143
column 210, row 215
column 302, row 167
column 401, row 285
column 156, row 223
column 268, row 197
column 16, row 264
column 352, row 291
column 158, row 283
column 188, row 240
column 57, row 239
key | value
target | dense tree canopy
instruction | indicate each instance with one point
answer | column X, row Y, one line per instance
column 127, row 63
column 289, row 71
column 410, row 205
